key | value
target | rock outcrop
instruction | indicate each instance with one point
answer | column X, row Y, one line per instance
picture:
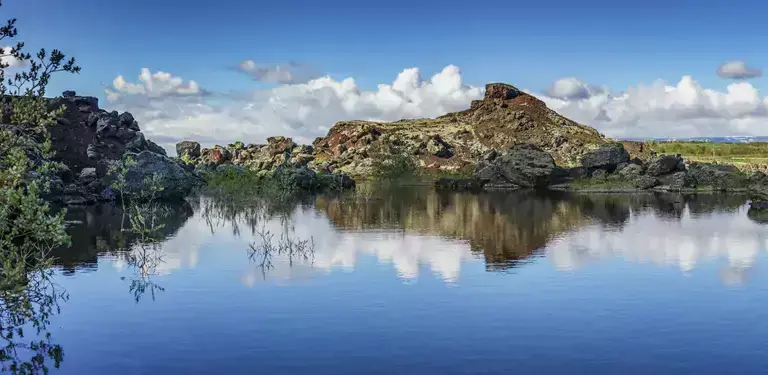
column 606, row 158
column 175, row 182
column 522, row 166
column 86, row 140
column 455, row 141
column 280, row 158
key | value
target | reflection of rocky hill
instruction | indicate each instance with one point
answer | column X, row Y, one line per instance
column 507, row 228
column 504, row 227
column 96, row 230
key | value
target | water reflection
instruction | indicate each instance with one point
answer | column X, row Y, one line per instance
column 26, row 346
column 412, row 229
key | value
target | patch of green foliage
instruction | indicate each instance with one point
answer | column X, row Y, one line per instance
column 29, row 230
column 401, row 168
column 710, row 149
column 284, row 184
column 395, row 167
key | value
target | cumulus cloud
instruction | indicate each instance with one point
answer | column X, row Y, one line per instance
column 157, row 85
column 291, row 72
column 685, row 109
column 737, row 69
column 645, row 238
column 572, row 88
column 171, row 110
column 9, row 59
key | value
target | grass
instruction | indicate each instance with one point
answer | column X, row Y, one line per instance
column 596, row 183
column 748, row 157
column 713, row 150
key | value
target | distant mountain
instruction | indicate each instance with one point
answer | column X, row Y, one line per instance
column 731, row 139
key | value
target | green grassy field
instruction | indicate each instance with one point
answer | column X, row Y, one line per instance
column 745, row 156
column 709, row 149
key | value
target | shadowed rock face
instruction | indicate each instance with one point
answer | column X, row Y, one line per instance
column 86, row 139
column 85, row 134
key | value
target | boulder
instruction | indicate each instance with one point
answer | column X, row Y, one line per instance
column 718, row 176
column 176, row 182
column 631, row 172
column 280, row 145
column 665, row 164
column 646, row 182
column 88, row 174
column 189, row 149
column 607, row 157
column 501, row 91
column 677, row 181
column 524, row 166
column 438, row 147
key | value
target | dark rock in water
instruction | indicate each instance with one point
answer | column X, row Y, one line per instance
column 190, row 149
column 607, row 157
column 664, row 164
column 646, row 182
column 524, row 166
column 175, row 181
column 458, row 184
column 718, row 176
column 677, row 180
column 758, row 212
column 758, row 191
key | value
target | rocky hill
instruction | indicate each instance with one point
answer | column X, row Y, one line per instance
column 87, row 140
column 450, row 143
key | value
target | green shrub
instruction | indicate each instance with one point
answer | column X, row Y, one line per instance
column 29, row 230
column 394, row 167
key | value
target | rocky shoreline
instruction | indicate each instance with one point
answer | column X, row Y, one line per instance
column 507, row 141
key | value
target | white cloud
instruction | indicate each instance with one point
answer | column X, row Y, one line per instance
column 302, row 111
column 285, row 73
column 9, row 59
column 170, row 109
column 572, row 88
column 661, row 110
column 737, row 69
column 157, row 85
column 646, row 238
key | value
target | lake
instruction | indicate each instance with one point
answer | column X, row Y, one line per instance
column 413, row 281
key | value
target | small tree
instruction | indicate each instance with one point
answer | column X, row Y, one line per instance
column 28, row 229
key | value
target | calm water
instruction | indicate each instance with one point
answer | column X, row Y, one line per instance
column 418, row 282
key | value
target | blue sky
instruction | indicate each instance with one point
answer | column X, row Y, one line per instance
column 527, row 43
column 610, row 45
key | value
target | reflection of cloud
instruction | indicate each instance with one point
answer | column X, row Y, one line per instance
column 682, row 243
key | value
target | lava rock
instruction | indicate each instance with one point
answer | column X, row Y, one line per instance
column 607, row 157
